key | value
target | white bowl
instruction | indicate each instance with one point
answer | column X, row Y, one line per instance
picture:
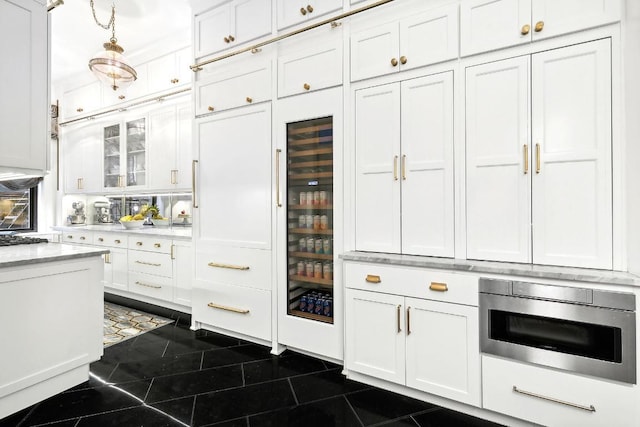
column 130, row 225
column 160, row 222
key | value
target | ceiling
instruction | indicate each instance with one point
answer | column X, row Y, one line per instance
column 140, row 25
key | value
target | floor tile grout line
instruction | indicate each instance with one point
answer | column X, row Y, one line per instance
column 293, row 392
column 344, row 396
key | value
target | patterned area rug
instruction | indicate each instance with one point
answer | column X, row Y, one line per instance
column 122, row 323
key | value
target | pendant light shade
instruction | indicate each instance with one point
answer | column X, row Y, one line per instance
column 111, row 67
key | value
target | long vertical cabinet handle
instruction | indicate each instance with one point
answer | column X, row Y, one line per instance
column 408, row 320
column 395, row 168
column 404, row 167
column 194, row 201
column 537, row 158
column 525, row 150
column 278, row 201
column 398, row 318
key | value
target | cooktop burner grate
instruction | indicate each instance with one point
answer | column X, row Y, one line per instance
column 13, row 240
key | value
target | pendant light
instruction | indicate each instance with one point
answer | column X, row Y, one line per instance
column 109, row 65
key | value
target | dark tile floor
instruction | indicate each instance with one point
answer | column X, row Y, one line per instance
column 172, row 376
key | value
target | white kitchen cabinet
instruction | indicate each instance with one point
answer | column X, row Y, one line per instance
column 115, row 262
column 169, row 137
column 427, row 345
column 169, row 72
column 81, row 100
column 539, row 158
column 493, row 24
column 422, row 39
column 404, row 167
column 150, row 267
column 230, row 25
column 81, row 149
column 183, row 269
column 292, row 12
column 24, row 132
column 125, row 153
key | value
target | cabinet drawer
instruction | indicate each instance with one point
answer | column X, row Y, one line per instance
column 150, row 244
column 317, row 67
column 153, row 286
column 413, row 282
column 247, row 82
column 112, row 240
column 77, row 237
column 238, row 309
column 235, row 266
column 612, row 403
column 150, row 263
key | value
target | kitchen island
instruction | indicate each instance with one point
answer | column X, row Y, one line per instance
column 51, row 310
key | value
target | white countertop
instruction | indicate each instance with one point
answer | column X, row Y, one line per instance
column 180, row 233
column 11, row 256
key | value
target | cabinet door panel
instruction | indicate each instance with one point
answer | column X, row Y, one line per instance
column 493, row 24
column 498, row 189
column 571, row 117
column 427, row 166
column 442, row 349
column 184, row 147
column 251, row 19
column 162, row 142
column 375, row 333
column 234, row 178
column 560, row 17
column 210, row 29
column 372, row 51
column 377, row 169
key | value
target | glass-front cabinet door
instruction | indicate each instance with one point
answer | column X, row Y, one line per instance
column 112, row 154
column 136, row 171
column 310, row 219
column 125, row 154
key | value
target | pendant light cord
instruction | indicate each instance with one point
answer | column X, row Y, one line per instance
column 111, row 24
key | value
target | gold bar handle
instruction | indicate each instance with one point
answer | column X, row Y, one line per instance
column 148, row 263
column 438, row 287
column 278, row 201
column 404, row 167
column 194, row 201
column 174, row 179
column 589, row 408
column 537, row 158
column 525, row 150
column 156, row 245
column 107, row 258
column 230, row 266
column 398, row 317
column 173, row 255
column 408, row 320
column 148, row 285
column 395, row 168
column 227, row 308
column 373, row 278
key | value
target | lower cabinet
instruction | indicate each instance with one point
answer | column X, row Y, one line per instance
column 151, row 267
column 425, row 344
column 115, row 269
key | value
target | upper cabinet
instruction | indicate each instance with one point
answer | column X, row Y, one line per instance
column 493, row 24
column 230, row 25
column 419, row 40
column 24, row 85
column 125, row 154
column 81, row 150
column 292, row 12
column 80, row 100
column 169, row 71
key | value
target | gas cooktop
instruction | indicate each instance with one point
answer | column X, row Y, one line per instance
column 12, row 240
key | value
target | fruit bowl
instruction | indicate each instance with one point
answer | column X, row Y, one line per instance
column 133, row 224
column 160, row 222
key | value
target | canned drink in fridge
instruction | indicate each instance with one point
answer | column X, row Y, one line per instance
column 326, row 246
column 316, row 197
column 303, row 303
column 309, row 221
column 317, row 270
column 309, row 197
column 311, row 245
column 301, row 268
column 319, row 306
column 324, row 222
column 323, row 198
column 302, row 245
column 327, row 271
column 302, row 221
column 327, row 307
column 316, row 222
column 311, row 303
column 318, row 246
column 303, row 198
column 309, row 268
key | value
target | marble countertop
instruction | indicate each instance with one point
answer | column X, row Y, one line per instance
column 502, row 268
column 11, row 256
column 179, row 233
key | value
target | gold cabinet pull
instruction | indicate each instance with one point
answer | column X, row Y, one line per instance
column 79, row 109
column 231, row 38
column 117, row 241
column 408, row 320
column 539, row 26
column 226, row 40
column 309, row 8
column 173, row 255
column 525, row 151
column 249, row 99
column 395, row 168
column 107, row 258
column 80, row 184
column 83, row 238
column 152, row 264
column 371, row 278
column 174, row 176
column 148, row 285
column 438, row 287
column 228, row 308
column 537, row 158
column 306, row 86
column 156, row 245
column 121, row 97
column 278, row 201
column 230, row 266
column 525, row 29
column 139, row 243
column 394, row 62
column 174, row 81
column 210, row 108
column 194, row 201
column 100, row 239
column 69, row 236
column 398, row 317
column 589, row 408
column 403, row 60
column 303, row 11
column 404, row 167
